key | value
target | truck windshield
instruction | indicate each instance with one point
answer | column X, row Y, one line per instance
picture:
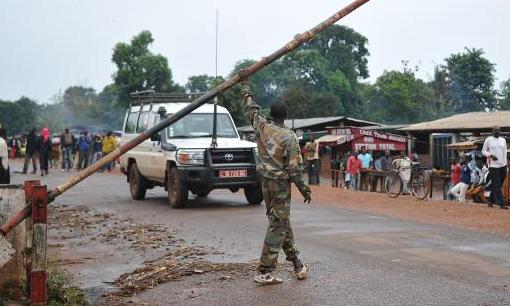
column 201, row 125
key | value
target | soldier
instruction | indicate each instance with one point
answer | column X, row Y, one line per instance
column 281, row 164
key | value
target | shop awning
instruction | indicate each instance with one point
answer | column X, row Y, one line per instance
column 334, row 139
column 465, row 145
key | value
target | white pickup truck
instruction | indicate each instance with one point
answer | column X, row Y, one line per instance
column 181, row 158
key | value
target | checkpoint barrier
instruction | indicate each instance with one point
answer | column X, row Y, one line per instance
column 28, row 266
column 36, row 207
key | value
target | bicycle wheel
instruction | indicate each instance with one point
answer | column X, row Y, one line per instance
column 393, row 184
column 420, row 185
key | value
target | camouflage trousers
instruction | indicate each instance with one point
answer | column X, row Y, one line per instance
column 279, row 233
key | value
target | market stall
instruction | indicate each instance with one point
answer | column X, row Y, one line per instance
column 339, row 141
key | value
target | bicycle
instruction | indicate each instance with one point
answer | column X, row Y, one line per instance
column 418, row 181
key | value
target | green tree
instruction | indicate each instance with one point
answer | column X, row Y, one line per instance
column 110, row 111
column 199, row 83
column 399, row 97
column 470, row 81
column 139, row 69
column 332, row 64
column 19, row 116
column 440, row 87
column 304, row 102
column 264, row 83
column 79, row 105
column 504, row 102
column 345, row 50
column 50, row 116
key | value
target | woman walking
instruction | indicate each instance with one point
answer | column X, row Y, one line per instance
column 44, row 148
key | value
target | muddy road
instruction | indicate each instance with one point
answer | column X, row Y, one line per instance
column 205, row 253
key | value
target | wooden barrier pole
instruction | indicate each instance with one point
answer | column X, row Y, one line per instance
column 38, row 275
column 28, row 186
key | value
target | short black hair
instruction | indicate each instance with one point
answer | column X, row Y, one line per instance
column 279, row 111
column 2, row 132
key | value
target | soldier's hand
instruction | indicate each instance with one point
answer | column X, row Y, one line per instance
column 308, row 197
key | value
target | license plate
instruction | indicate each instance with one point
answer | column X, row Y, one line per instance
column 233, row 173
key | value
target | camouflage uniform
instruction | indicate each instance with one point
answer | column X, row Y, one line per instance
column 280, row 163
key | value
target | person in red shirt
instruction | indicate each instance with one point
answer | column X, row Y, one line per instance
column 353, row 169
column 455, row 176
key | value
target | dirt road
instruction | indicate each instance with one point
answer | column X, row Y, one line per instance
column 362, row 250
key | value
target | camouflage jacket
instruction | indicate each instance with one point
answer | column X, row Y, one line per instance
column 279, row 153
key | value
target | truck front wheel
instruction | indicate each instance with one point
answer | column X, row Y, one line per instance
column 177, row 192
column 137, row 183
column 253, row 194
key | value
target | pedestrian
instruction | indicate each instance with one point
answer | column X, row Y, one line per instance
column 97, row 149
column 44, row 150
column 475, row 170
column 55, row 152
column 5, row 174
column 109, row 145
column 31, row 152
column 386, row 161
column 495, row 149
column 366, row 163
column 343, row 167
column 66, row 145
column 281, row 164
column 84, row 143
column 455, row 176
column 365, row 158
column 353, row 169
column 459, row 190
column 14, row 147
column 312, row 161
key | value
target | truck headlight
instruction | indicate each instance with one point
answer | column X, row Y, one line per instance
column 191, row 157
column 256, row 154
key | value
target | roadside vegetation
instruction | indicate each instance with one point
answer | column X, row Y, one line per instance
column 330, row 71
column 60, row 289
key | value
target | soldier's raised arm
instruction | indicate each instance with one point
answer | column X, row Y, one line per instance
column 295, row 168
column 252, row 109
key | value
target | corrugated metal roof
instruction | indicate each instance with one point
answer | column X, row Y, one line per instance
column 309, row 122
column 467, row 121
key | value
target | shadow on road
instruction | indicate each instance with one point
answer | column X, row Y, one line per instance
column 210, row 202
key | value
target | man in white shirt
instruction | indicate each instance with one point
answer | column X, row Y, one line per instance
column 494, row 148
column 4, row 159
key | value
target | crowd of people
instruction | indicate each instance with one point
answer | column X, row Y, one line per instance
column 474, row 175
column 64, row 151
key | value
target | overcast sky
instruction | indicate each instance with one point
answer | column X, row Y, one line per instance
column 49, row 45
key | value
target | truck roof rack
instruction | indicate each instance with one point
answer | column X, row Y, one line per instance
column 150, row 96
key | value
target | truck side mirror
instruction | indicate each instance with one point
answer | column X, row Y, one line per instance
column 156, row 137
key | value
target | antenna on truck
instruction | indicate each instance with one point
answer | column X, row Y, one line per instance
column 214, row 142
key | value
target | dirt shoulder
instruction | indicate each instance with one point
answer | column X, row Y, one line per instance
column 465, row 215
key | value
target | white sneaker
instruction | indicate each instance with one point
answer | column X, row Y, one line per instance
column 303, row 273
column 267, row 279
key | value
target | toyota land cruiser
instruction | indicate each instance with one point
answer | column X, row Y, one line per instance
column 190, row 155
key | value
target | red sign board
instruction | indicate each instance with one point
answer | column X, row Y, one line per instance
column 372, row 140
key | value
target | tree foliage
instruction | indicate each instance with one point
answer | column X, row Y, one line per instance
column 399, row 97
column 199, row 83
column 139, row 69
column 470, row 81
column 325, row 77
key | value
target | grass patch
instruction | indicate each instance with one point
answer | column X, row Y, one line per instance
column 60, row 289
